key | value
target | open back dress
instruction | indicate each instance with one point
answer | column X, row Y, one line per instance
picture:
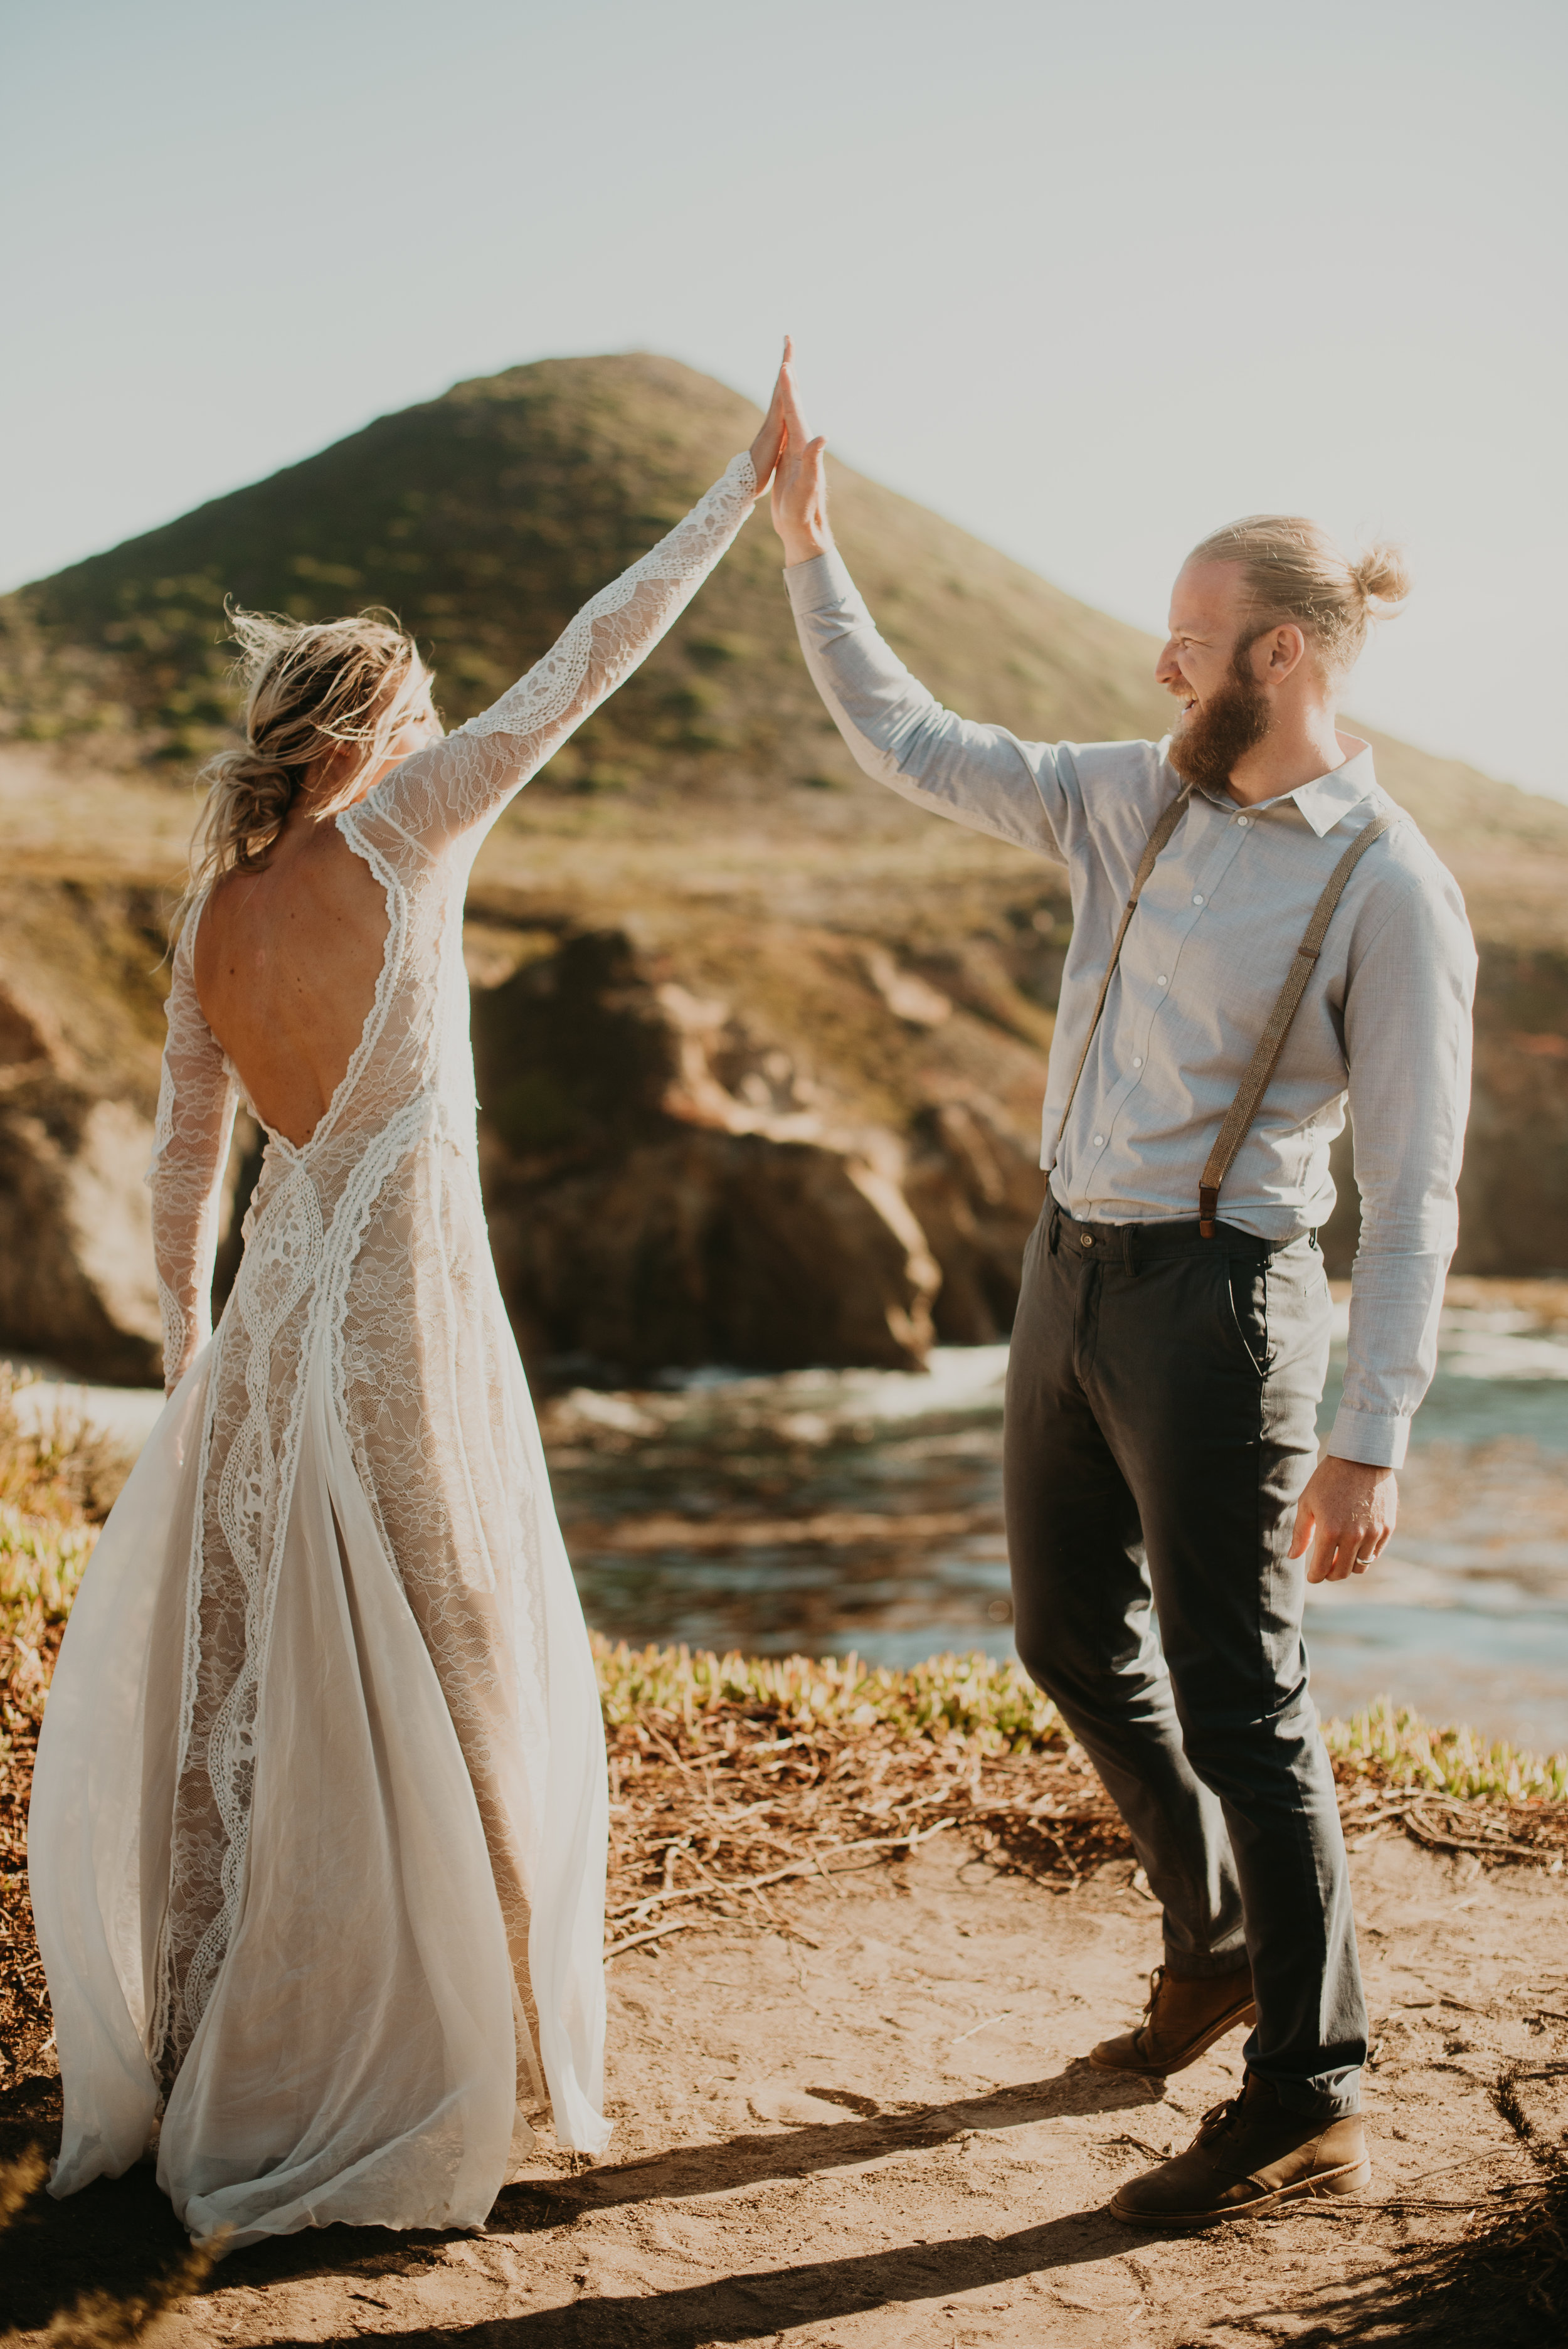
column 319, row 1818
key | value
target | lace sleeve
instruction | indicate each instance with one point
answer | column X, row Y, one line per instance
column 461, row 784
column 196, row 1104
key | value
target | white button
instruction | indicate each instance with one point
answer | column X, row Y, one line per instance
column 1243, row 820
column 1099, row 1140
column 1197, row 901
column 1162, row 980
column 1136, row 1061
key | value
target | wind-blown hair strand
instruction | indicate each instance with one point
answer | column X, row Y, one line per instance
column 313, row 688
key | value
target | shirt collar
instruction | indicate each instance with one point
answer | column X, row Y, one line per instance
column 1327, row 797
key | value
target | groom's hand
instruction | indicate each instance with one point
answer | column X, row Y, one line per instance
column 800, row 482
column 1346, row 1512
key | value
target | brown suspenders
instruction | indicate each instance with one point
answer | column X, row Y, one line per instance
column 1271, row 1043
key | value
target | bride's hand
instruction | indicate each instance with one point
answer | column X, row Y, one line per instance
column 765, row 449
column 800, row 482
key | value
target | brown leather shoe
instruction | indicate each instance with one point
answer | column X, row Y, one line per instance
column 1182, row 2019
column 1250, row 2154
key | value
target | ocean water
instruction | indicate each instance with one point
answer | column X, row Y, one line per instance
column 831, row 1511
column 858, row 1510
column 1465, row 1616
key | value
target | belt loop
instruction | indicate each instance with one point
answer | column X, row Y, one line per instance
column 1130, row 1251
column 1054, row 1228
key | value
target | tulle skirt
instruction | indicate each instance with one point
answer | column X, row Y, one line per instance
column 358, row 2053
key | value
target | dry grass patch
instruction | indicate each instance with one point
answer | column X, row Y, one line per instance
column 730, row 1774
column 58, row 1479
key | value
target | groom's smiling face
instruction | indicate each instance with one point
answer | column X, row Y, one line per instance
column 1222, row 711
column 1205, row 621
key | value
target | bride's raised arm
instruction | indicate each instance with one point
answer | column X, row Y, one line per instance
column 459, row 785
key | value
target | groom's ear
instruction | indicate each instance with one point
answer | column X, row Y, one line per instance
column 1278, row 652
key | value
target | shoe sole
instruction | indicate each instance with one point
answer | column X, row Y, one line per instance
column 1352, row 2177
column 1190, row 2053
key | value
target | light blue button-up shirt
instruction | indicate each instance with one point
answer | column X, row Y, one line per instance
column 1383, row 1027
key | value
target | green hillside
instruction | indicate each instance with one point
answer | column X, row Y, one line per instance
column 486, row 517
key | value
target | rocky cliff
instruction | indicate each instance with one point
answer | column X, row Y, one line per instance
column 760, row 1049
column 80, row 1032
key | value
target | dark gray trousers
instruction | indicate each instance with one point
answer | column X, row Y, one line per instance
column 1162, row 1396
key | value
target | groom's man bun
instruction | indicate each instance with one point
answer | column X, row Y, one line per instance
column 1295, row 570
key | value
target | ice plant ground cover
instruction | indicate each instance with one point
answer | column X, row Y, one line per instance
column 995, row 1709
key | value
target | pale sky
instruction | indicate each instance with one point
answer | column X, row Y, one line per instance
column 1089, row 279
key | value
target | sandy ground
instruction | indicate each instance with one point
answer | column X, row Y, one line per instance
column 870, row 2122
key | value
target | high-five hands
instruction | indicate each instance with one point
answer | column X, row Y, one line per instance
column 800, row 476
column 1348, row 1514
column 765, row 449
column 785, row 453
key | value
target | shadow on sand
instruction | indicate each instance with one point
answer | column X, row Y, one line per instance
column 764, row 2303
column 116, row 2234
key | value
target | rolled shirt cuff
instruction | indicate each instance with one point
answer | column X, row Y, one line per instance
column 1377, row 1442
column 813, row 586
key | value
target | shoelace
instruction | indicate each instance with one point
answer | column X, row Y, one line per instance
column 1155, row 1979
column 1220, row 2117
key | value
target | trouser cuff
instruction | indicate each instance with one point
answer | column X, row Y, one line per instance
column 1192, row 1965
column 1314, row 2103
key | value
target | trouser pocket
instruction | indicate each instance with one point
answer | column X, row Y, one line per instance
column 1243, row 1305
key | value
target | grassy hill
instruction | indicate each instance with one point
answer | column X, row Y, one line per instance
column 700, row 880
column 486, row 517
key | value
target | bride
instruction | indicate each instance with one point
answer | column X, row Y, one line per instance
column 318, row 1824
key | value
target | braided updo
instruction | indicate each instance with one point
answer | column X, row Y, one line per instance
column 1296, row 571
column 312, row 688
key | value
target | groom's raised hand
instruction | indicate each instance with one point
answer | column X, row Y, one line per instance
column 801, row 480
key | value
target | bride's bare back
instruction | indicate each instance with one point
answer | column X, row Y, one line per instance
column 286, row 962
column 286, row 958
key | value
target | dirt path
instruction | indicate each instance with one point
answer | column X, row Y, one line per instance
column 874, row 2127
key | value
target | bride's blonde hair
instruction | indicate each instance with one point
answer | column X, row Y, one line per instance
column 1296, row 571
column 311, row 687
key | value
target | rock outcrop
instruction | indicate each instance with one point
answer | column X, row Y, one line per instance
column 703, row 1139
column 682, row 1177
column 75, row 1241
column 79, row 1036
column 677, row 1176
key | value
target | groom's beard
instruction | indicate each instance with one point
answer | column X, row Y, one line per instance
column 1206, row 747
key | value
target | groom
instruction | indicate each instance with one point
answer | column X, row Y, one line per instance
column 1258, row 935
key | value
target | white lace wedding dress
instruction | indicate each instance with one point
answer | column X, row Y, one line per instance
column 318, row 1824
